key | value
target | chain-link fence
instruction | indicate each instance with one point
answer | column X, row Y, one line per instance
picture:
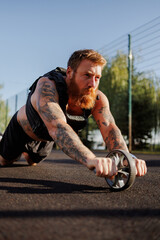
column 145, row 50
column 10, row 106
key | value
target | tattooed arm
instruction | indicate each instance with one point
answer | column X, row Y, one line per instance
column 106, row 123
column 46, row 102
column 111, row 133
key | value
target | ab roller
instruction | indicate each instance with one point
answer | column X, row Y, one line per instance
column 126, row 170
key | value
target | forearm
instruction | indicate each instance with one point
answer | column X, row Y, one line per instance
column 114, row 139
column 70, row 144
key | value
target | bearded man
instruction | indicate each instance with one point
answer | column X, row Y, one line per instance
column 58, row 106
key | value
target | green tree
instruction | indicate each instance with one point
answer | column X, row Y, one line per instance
column 83, row 134
column 114, row 83
column 143, row 108
column 4, row 114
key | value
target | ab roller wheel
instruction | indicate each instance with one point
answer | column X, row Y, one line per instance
column 126, row 170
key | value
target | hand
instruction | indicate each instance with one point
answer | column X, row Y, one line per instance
column 105, row 167
column 141, row 168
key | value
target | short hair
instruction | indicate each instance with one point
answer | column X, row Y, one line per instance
column 89, row 54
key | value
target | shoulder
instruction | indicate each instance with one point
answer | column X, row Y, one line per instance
column 101, row 111
column 101, row 95
column 101, row 100
column 45, row 83
column 45, row 89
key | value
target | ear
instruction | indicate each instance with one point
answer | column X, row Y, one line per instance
column 69, row 72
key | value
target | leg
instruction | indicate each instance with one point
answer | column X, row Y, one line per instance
column 4, row 162
column 12, row 143
column 28, row 159
column 36, row 151
column 15, row 142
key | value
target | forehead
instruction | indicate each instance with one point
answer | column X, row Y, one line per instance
column 89, row 66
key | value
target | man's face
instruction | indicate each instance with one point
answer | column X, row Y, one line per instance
column 84, row 84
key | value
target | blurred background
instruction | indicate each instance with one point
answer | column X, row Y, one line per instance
column 37, row 36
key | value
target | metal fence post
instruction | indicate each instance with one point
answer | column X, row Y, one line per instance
column 16, row 102
column 129, row 93
column 6, row 116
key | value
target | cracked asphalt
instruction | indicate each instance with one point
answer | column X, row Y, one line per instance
column 60, row 199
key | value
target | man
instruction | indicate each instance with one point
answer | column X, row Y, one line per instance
column 57, row 107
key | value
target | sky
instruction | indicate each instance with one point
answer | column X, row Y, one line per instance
column 36, row 36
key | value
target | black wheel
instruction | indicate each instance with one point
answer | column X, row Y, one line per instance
column 126, row 170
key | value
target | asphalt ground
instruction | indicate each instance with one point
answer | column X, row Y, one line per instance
column 60, row 199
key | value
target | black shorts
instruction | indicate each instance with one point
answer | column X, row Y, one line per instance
column 15, row 141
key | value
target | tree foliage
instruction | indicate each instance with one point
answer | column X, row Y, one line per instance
column 4, row 114
column 143, row 107
column 114, row 84
column 145, row 99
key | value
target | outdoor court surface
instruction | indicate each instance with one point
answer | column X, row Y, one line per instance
column 61, row 200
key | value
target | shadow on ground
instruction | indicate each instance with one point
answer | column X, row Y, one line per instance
column 46, row 187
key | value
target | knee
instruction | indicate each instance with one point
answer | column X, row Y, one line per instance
column 3, row 162
column 28, row 159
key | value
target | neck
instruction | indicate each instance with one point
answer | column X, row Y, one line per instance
column 72, row 103
column 67, row 81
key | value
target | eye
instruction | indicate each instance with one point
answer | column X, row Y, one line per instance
column 87, row 75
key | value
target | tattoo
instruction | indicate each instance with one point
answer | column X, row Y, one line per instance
column 104, row 123
column 114, row 140
column 106, row 114
column 47, row 113
column 71, row 144
column 25, row 125
column 99, row 124
column 102, row 109
column 48, row 93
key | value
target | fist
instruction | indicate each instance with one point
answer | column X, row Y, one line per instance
column 141, row 168
column 104, row 167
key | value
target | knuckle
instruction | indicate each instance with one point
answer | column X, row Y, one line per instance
column 103, row 160
column 99, row 173
column 109, row 160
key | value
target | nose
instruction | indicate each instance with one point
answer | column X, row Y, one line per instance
column 92, row 82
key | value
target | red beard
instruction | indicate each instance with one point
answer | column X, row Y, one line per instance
column 86, row 99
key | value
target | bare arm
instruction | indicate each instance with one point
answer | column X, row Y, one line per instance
column 45, row 100
column 111, row 134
